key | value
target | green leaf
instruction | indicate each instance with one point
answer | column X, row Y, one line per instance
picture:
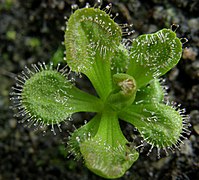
column 120, row 60
column 107, row 153
column 82, row 134
column 49, row 97
column 160, row 125
column 152, row 55
column 58, row 56
column 152, row 93
column 91, row 38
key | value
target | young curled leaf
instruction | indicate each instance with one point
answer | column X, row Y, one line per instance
column 152, row 55
column 124, row 91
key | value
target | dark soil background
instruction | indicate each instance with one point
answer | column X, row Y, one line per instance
column 32, row 30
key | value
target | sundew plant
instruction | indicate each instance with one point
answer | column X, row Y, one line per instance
column 126, row 80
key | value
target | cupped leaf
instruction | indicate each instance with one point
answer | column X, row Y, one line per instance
column 90, row 30
column 160, row 125
column 152, row 55
column 91, row 38
column 107, row 153
column 49, row 97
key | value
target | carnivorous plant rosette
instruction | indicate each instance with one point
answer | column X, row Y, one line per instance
column 126, row 81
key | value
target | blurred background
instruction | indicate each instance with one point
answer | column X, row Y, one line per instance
column 32, row 31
